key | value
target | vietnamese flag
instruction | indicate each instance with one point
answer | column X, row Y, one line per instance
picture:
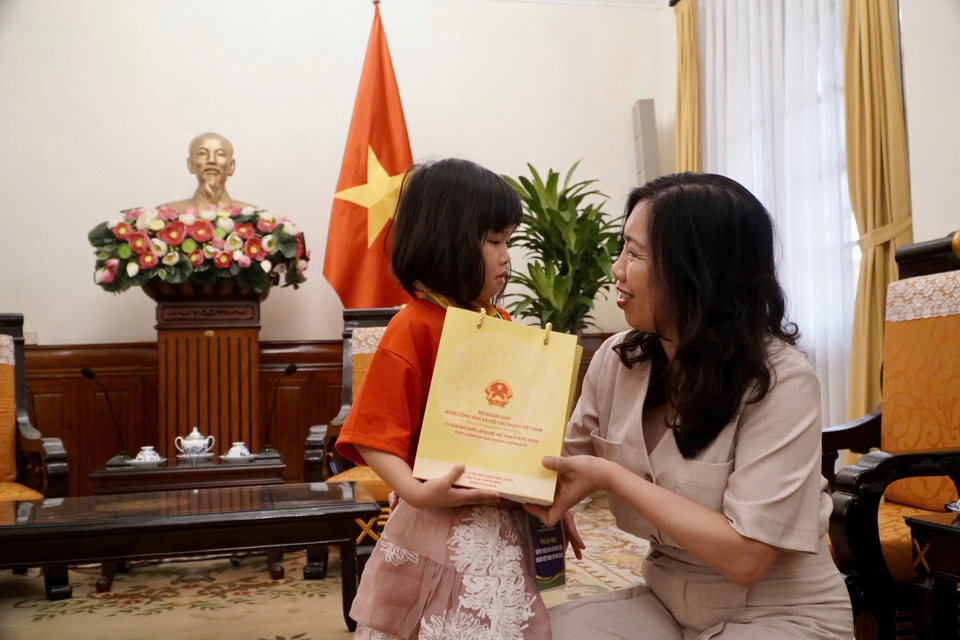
column 376, row 157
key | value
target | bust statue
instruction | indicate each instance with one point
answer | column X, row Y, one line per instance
column 211, row 160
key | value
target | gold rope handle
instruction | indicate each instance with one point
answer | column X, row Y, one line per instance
column 483, row 314
column 546, row 332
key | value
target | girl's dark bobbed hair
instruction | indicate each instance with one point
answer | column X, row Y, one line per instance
column 445, row 208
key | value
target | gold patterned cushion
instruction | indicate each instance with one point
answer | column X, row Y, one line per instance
column 366, row 478
column 363, row 344
column 10, row 491
column 921, row 380
column 895, row 539
column 8, row 412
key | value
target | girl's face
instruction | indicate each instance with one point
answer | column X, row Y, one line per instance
column 496, row 261
column 633, row 271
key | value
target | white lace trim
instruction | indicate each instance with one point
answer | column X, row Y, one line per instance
column 932, row 296
column 365, row 633
column 486, row 550
column 366, row 339
column 397, row 555
column 6, row 349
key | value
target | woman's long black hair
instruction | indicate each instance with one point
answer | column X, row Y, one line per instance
column 714, row 276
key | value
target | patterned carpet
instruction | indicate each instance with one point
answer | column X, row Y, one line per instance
column 216, row 598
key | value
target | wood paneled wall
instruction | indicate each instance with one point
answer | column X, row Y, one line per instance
column 66, row 405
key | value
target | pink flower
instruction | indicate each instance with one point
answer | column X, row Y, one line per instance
column 245, row 230
column 254, row 249
column 147, row 260
column 201, row 230
column 108, row 276
column 166, row 213
column 266, row 225
column 217, row 242
column 174, row 233
column 132, row 214
column 112, row 264
column 139, row 242
column 244, row 261
column 223, row 260
column 234, row 211
column 299, row 246
column 122, row 231
column 196, row 257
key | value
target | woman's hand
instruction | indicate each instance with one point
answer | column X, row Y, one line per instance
column 572, row 536
column 577, row 477
column 437, row 493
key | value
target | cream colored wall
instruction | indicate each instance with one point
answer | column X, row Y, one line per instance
column 100, row 98
column 931, row 48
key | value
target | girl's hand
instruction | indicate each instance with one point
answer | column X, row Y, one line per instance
column 577, row 477
column 440, row 492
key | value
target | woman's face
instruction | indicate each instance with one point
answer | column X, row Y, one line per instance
column 496, row 262
column 633, row 271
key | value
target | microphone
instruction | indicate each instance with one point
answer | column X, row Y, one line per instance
column 122, row 457
column 268, row 451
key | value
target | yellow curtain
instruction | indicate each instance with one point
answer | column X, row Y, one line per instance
column 879, row 182
column 688, row 87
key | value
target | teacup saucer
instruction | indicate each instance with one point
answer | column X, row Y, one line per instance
column 238, row 459
column 146, row 463
column 195, row 456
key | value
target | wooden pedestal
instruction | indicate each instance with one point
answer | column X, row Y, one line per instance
column 208, row 362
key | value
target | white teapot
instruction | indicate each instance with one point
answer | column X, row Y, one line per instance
column 194, row 444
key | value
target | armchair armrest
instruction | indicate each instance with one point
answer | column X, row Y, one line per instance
column 320, row 459
column 860, row 436
column 856, row 499
column 41, row 462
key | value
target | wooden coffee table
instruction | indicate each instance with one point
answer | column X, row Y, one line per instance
column 59, row 532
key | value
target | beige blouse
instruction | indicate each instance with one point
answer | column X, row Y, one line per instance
column 762, row 471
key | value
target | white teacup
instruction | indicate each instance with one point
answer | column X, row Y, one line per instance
column 194, row 444
column 238, row 450
column 147, row 454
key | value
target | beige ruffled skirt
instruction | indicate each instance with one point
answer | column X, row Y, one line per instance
column 459, row 573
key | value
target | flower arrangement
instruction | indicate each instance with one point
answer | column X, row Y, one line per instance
column 250, row 245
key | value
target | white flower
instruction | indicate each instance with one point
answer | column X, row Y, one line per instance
column 98, row 276
column 209, row 251
column 158, row 246
column 289, row 228
column 265, row 265
column 143, row 222
column 112, row 222
column 247, row 211
column 187, row 218
column 171, row 258
column 302, row 265
column 237, row 254
column 209, row 215
column 233, row 242
column 225, row 223
column 157, row 224
column 269, row 244
column 133, row 269
column 223, row 213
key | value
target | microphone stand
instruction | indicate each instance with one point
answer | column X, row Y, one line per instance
column 119, row 460
column 268, row 452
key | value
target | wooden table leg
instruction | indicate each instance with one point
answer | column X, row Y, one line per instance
column 316, row 567
column 107, row 572
column 348, row 578
column 273, row 563
column 56, row 582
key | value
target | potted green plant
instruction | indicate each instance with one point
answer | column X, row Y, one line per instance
column 570, row 248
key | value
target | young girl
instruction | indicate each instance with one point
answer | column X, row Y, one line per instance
column 452, row 562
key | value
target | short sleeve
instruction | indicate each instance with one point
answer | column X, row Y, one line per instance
column 386, row 411
column 775, row 491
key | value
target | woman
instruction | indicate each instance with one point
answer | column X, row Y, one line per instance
column 703, row 424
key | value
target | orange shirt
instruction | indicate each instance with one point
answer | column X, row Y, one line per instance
column 387, row 412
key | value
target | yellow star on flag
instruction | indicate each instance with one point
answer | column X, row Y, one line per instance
column 379, row 195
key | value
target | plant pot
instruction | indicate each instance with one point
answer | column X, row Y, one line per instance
column 225, row 288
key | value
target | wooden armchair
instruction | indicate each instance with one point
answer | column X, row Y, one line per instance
column 917, row 429
column 31, row 467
